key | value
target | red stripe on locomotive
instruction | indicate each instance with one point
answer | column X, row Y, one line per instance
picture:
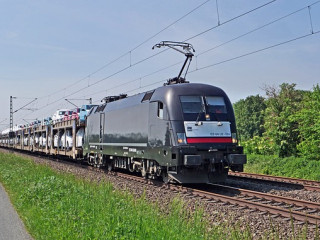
column 209, row 140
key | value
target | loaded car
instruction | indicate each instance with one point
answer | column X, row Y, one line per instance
column 80, row 137
column 84, row 111
column 46, row 121
column 75, row 113
column 66, row 139
column 58, row 115
column 68, row 115
column 57, row 140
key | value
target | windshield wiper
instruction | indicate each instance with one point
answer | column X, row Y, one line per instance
column 201, row 111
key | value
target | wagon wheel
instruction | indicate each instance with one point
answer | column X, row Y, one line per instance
column 96, row 162
column 144, row 173
column 99, row 160
column 110, row 166
column 165, row 177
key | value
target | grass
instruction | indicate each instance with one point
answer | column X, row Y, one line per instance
column 60, row 206
column 287, row 167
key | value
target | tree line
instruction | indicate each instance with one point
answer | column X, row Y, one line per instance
column 285, row 123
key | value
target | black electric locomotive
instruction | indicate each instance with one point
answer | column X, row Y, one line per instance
column 184, row 133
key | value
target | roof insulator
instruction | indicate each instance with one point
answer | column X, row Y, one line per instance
column 175, row 80
column 113, row 98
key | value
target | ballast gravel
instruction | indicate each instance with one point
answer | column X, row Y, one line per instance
column 262, row 226
column 284, row 190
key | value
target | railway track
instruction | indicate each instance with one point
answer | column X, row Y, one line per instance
column 297, row 204
column 306, row 184
column 276, row 206
column 263, row 207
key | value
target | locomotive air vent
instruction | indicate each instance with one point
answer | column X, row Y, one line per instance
column 100, row 108
column 147, row 96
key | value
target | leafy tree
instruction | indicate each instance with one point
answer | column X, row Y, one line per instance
column 249, row 116
column 309, row 125
column 258, row 145
column 281, row 127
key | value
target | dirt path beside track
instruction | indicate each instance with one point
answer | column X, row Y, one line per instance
column 11, row 226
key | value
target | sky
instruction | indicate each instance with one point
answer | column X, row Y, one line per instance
column 75, row 49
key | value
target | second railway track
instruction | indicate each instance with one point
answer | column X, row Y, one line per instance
column 306, row 184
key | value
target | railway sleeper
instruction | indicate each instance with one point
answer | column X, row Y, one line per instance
column 312, row 211
column 298, row 209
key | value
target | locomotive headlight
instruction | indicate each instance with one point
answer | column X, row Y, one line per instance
column 234, row 137
column 182, row 138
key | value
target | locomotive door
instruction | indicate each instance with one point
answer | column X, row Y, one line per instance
column 101, row 132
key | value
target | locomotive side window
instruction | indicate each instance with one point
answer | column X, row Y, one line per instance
column 160, row 110
column 191, row 104
column 216, row 105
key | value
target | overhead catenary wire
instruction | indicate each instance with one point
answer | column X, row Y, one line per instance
column 137, row 79
column 116, row 73
column 243, row 55
column 25, row 105
column 230, row 20
column 210, row 29
column 118, row 58
column 235, row 58
column 256, row 51
column 258, row 28
column 131, row 50
column 211, row 49
column 147, row 58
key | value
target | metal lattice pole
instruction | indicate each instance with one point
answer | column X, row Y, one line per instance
column 11, row 120
column 11, row 114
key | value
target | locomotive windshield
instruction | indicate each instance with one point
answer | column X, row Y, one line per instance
column 216, row 105
column 191, row 104
column 202, row 108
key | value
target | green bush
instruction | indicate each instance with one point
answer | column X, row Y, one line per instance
column 259, row 145
column 287, row 167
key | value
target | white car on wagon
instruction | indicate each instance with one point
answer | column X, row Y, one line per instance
column 58, row 115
